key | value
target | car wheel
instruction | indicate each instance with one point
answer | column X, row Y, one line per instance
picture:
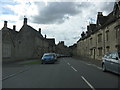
column 103, row 67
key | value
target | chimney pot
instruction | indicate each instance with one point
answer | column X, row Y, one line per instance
column 39, row 30
column 45, row 36
column 5, row 23
column 100, row 14
column 14, row 27
column 25, row 21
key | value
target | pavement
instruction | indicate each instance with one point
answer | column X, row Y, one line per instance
column 89, row 60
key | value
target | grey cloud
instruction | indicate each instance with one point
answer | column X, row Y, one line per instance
column 107, row 6
column 76, row 37
column 56, row 12
column 84, row 5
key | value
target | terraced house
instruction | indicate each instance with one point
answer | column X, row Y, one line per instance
column 27, row 43
column 102, row 37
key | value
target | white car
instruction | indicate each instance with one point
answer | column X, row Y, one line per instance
column 111, row 62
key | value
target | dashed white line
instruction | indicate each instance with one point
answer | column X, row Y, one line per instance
column 88, row 83
column 74, row 69
column 68, row 63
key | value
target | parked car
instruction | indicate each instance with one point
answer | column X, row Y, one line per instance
column 48, row 58
column 111, row 62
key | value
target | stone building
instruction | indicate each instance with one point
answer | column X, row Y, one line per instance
column 8, row 44
column 73, row 50
column 27, row 43
column 102, row 37
column 62, row 49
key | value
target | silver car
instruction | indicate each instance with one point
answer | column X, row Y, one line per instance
column 111, row 62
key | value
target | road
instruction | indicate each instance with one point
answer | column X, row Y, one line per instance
column 66, row 73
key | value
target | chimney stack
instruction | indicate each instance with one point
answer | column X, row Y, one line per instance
column 5, row 24
column 25, row 21
column 14, row 27
column 40, row 30
column 100, row 14
column 88, row 27
column 45, row 36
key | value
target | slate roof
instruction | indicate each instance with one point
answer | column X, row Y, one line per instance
column 31, row 29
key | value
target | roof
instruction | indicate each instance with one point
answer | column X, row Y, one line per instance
column 51, row 41
column 30, row 29
column 12, row 34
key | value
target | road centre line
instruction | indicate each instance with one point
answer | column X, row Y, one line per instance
column 68, row 63
column 74, row 69
column 88, row 83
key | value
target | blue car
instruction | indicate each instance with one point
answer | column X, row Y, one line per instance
column 48, row 58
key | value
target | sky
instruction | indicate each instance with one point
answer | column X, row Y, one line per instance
column 63, row 20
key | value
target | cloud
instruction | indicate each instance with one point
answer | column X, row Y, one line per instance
column 5, row 10
column 76, row 37
column 105, row 7
column 56, row 12
column 62, row 20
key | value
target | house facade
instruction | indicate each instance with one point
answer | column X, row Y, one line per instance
column 61, row 48
column 102, row 37
column 27, row 43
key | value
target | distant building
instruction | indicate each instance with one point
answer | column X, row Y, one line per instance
column 73, row 50
column 62, row 49
column 27, row 43
column 102, row 37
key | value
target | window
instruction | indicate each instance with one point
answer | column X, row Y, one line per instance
column 113, row 55
column 107, row 48
column 117, row 33
column 99, row 38
column 90, row 51
column 107, row 35
column 100, row 51
column 6, row 50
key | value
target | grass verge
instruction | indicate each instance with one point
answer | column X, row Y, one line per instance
column 32, row 62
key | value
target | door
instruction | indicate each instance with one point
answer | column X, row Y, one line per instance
column 6, row 50
column 94, row 53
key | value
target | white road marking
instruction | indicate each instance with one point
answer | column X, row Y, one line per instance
column 88, row 64
column 88, row 83
column 93, row 65
column 96, row 66
column 11, row 75
column 68, row 63
column 99, row 68
column 74, row 69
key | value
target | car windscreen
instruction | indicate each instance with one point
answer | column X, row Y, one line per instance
column 48, row 55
